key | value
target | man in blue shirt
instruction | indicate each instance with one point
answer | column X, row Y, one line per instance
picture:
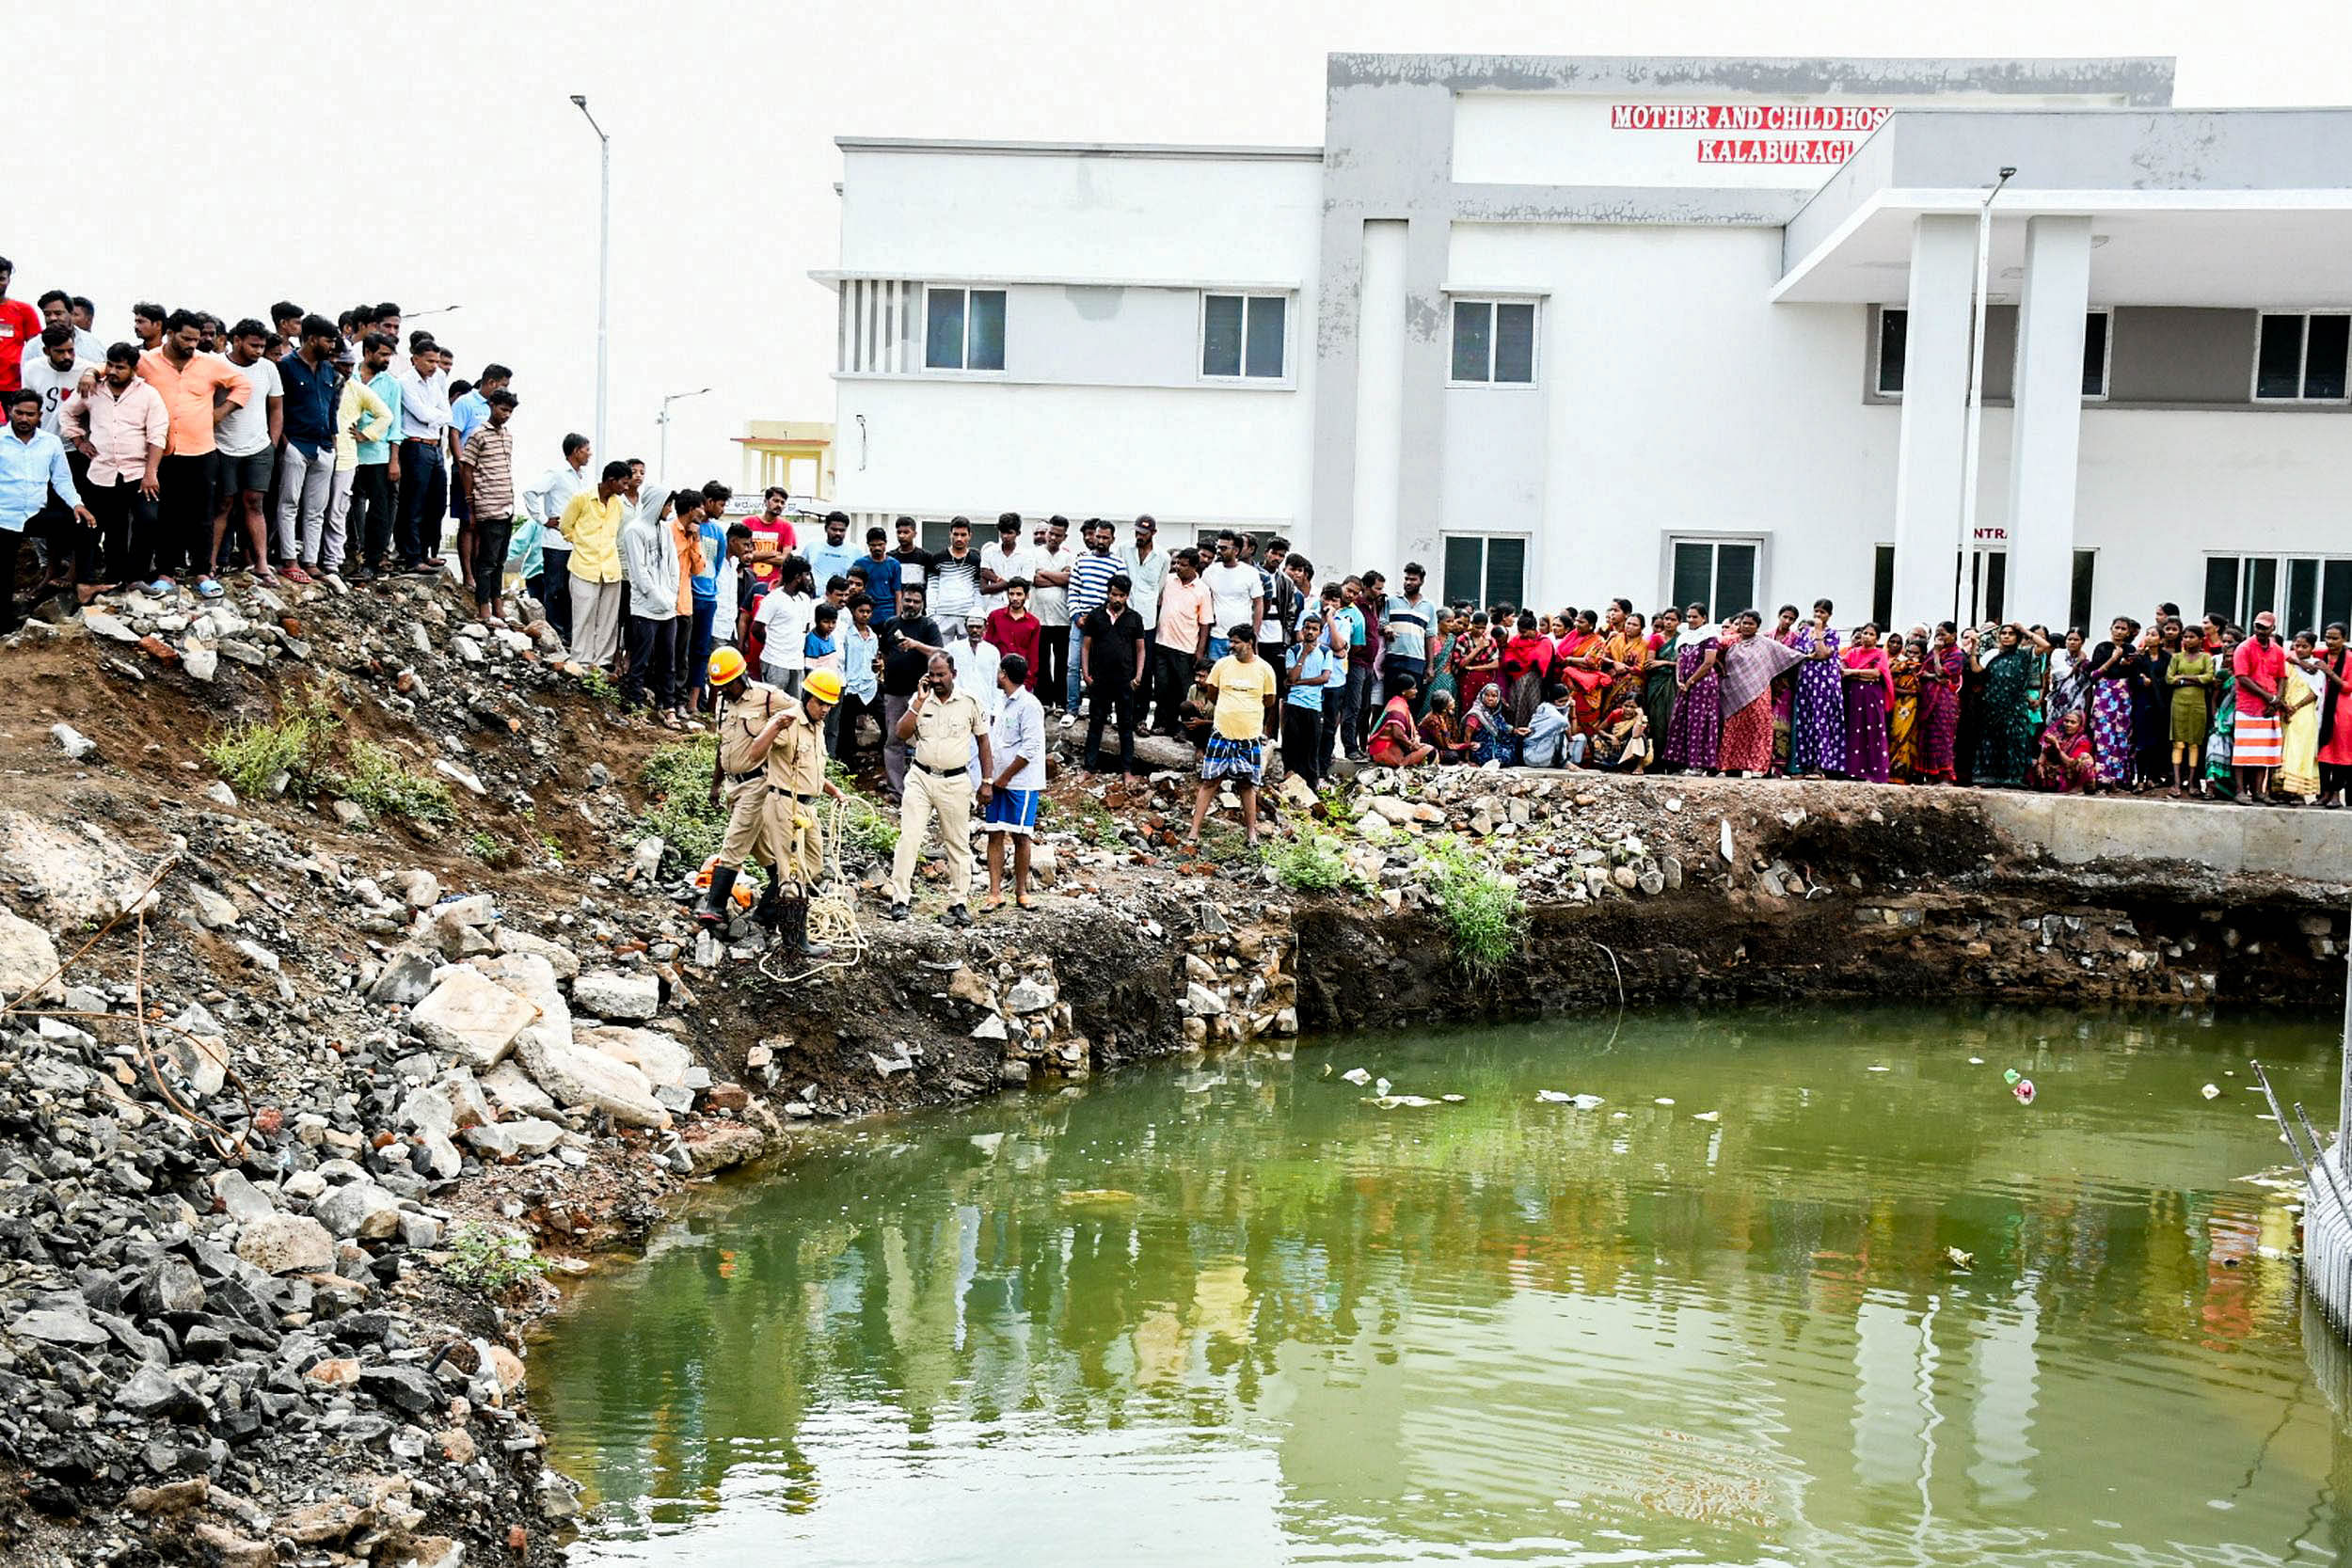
column 305, row 478
column 1311, row 666
column 32, row 465
column 832, row 559
column 883, row 577
column 1089, row 585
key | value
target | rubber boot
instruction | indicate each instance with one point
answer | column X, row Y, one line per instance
column 771, row 910
column 795, row 931
column 713, row 909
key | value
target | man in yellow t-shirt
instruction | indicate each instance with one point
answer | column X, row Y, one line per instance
column 1245, row 686
column 591, row 521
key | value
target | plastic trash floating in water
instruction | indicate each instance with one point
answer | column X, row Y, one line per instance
column 1380, row 1088
column 1708, row 1116
column 2023, row 1089
column 1663, row 1100
column 2211, row 1091
column 1390, row 1101
column 1096, row 1197
column 1356, row 1075
column 1454, row 1099
column 1881, row 1069
column 1976, row 1061
column 1960, row 1260
column 1554, row 1097
column 2009, row 1075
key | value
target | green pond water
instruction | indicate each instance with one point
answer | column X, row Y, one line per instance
column 1234, row 1315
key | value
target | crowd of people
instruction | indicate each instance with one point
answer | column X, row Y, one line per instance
column 296, row 449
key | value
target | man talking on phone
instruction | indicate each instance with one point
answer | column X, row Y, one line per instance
column 941, row 723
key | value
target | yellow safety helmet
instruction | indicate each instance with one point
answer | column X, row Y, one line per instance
column 824, row 686
column 725, row 665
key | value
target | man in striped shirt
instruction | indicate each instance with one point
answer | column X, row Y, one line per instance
column 486, row 474
column 1090, row 577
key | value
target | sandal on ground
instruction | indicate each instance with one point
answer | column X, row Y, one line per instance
column 206, row 588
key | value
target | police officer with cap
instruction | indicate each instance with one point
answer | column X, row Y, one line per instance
column 770, row 769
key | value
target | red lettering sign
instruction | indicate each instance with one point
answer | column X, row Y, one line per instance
column 1759, row 133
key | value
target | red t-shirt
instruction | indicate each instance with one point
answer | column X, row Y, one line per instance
column 20, row 326
column 1008, row 635
column 2267, row 665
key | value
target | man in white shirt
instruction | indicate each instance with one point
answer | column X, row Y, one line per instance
column 544, row 504
column 1017, row 752
column 54, row 367
column 976, row 662
column 247, row 449
column 423, row 455
column 1003, row 562
column 785, row 614
column 1049, row 601
column 1147, row 568
column 1236, row 593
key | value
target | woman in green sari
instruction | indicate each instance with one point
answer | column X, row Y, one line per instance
column 1657, row 677
column 2221, row 735
column 2005, row 740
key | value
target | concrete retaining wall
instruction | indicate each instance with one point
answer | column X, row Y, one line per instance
column 2305, row 842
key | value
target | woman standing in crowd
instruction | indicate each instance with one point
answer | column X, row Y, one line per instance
column 2004, row 739
column 1657, row 680
column 1578, row 663
column 1816, row 725
column 1784, row 693
column 2112, row 663
column 2152, row 706
column 1442, row 682
column 2335, row 720
column 1625, row 654
column 1526, row 662
column 1694, row 739
column 2188, row 677
column 2220, row 780
column 2302, row 693
column 1477, row 663
column 1939, row 707
column 2068, row 677
column 1870, row 692
column 1750, row 664
column 1904, row 660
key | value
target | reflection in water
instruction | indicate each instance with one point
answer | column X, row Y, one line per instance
column 1238, row 1316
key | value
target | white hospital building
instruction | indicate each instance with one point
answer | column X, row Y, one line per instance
column 1565, row 328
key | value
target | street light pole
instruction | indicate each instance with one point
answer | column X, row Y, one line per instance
column 1975, row 404
column 661, row 470
column 604, row 262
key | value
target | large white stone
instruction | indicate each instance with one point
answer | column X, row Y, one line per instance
column 591, row 1079
column 511, row 1087
column 611, row 995
column 661, row 1059
column 359, row 1210
column 28, row 959
column 474, row 1016
column 560, row 958
column 287, row 1243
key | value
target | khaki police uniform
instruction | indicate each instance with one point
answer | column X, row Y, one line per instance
column 796, row 784
column 939, row 782
column 744, row 788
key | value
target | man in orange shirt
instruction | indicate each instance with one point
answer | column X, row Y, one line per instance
column 199, row 391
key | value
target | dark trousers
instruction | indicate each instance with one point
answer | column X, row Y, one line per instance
column 841, row 725
column 423, row 498
column 1171, row 678
column 1359, row 686
column 652, row 662
column 369, row 530
column 183, row 536
column 1399, row 671
column 126, row 523
column 1125, row 699
column 552, row 588
column 694, row 649
column 1302, row 741
column 1331, row 701
column 490, row 537
column 1052, row 659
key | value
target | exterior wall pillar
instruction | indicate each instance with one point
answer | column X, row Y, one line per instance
column 1929, row 468
column 1379, row 435
column 2046, row 435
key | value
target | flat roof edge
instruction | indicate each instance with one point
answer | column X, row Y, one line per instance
column 2144, row 80
column 971, row 148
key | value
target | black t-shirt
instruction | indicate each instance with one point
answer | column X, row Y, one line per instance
column 1111, row 644
column 914, row 566
column 903, row 667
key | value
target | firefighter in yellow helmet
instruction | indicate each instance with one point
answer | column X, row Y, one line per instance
column 769, row 771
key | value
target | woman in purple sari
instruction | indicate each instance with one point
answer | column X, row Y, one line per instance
column 1697, row 730
column 1939, row 706
column 1817, row 736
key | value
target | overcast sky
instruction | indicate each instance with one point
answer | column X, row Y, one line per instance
column 426, row 151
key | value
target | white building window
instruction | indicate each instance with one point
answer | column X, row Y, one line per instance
column 1244, row 336
column 1716, row 574
column 2301, row 358
column 964, row 329
column 1494, row 342
column 2305, row 591
column 1486, row 569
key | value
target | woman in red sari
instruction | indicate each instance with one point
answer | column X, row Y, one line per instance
column 1939, row 706
column 1749, row 665
column 1576, row 662
column 1526, row 664
column 2335, row 717
column 1477, row 663
column 2065, row 764
column 1784, row 693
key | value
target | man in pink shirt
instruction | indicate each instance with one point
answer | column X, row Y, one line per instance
column 1179, row 641
column 2258, row 745
column 121, row 426
column 199, row 391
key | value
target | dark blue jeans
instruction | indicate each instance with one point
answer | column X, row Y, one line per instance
column 423, row 499
column 552, row 588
